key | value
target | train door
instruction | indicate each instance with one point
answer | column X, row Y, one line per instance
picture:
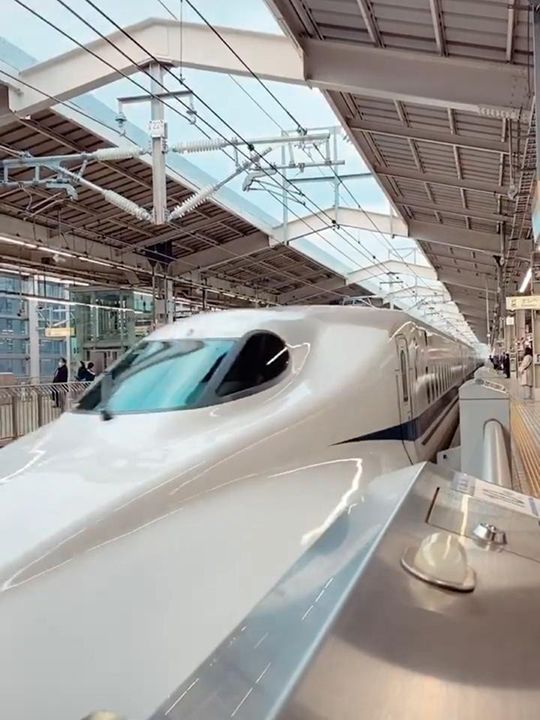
column 404, row 382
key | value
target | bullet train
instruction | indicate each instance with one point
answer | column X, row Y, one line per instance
column 139, row 528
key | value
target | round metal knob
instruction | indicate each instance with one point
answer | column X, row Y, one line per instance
column 490, row 534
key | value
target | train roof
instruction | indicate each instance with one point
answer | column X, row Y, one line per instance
column 237, row 322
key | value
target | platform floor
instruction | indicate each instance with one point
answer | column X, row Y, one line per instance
column 525, row 420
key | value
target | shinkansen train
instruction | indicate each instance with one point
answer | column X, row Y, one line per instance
column 139, row 528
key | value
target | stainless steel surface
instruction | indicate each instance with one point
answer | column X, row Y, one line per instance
column 408, row 563
column 496, row 458
column 461, row 514
column 490, row 534
column 348, row 634
column 25, row 408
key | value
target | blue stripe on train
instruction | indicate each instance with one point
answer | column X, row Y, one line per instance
column 417, row 427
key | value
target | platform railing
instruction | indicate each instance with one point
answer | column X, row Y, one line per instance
column 496, row 467
column 25, row 408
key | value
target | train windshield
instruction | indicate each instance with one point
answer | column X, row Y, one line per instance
column 158, row 375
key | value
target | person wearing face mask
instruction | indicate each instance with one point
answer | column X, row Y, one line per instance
column 526, row 373
column 60, row 376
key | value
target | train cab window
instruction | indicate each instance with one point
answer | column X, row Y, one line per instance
column 404, row 379
column 158, row 375
column 262, row 359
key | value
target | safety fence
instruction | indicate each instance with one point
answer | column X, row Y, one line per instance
column 24, row 408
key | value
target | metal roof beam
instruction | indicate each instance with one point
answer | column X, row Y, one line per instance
column 488, row 273
column 401, row 173
column 306, row 292
column 463, row 84
column 371, row 272
column 431, row 136
column 459, row 211
column 347, row 217
column 456, row 237
column 391, row 267
column 205, row 259
column 217, row 283
column 16, row 229
column 469, row 280
column 470, row 85
column 76, row 72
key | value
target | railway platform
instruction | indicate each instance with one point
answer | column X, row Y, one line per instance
column 525, row 432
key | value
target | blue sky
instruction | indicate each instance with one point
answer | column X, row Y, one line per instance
column 230, row 99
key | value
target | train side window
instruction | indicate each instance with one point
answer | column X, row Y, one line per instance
column 428, row 385
column 404, row 379
column 263, row 358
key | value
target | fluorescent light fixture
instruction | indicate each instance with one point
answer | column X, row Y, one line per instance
column 13, row 241
column 526, row 281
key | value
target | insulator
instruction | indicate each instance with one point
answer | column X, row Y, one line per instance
column 117, row 153
column 127, row 205
column 195, row 146
column 192, row 202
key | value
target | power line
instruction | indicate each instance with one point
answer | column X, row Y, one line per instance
column 355, row 245
column 333, row 224
column 297, row 123
column 184, row 230
column 292, row 117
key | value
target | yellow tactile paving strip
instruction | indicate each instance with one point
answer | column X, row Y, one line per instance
column 525, row 421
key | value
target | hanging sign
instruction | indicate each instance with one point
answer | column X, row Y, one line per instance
column 523, row 302
column 59, row 332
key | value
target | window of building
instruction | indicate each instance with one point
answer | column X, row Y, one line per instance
column 13, row 326
column 262, row 359
column 17, row 366
column 10, row 283
column 14, row 346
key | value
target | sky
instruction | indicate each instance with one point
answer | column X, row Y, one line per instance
column 240, row 102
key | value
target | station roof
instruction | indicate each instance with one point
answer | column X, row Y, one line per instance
column 220, row 248
column 439, row 134
column 441, row 105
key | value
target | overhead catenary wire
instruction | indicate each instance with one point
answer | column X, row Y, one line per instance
column 184, row 230
column 286, row 110
column 298, row 125
column 130, row 79
column 355, row 245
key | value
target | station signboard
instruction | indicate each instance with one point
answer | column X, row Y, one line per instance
column 59, row 332
column 523, row 302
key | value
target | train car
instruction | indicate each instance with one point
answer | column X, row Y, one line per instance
column 139, row 528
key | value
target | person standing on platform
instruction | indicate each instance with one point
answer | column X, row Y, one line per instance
column 60, row 376
column 81, row 372
column 526, row 373
column 506, row 364
column 90, row 373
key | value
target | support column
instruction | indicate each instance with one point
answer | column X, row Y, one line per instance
column 158, row 133
column 163, row 300
column 33, row 341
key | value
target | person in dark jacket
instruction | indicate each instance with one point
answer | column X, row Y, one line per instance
column 81, row 372
column 90, row 372
column 506, row 364
column 60, row 376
